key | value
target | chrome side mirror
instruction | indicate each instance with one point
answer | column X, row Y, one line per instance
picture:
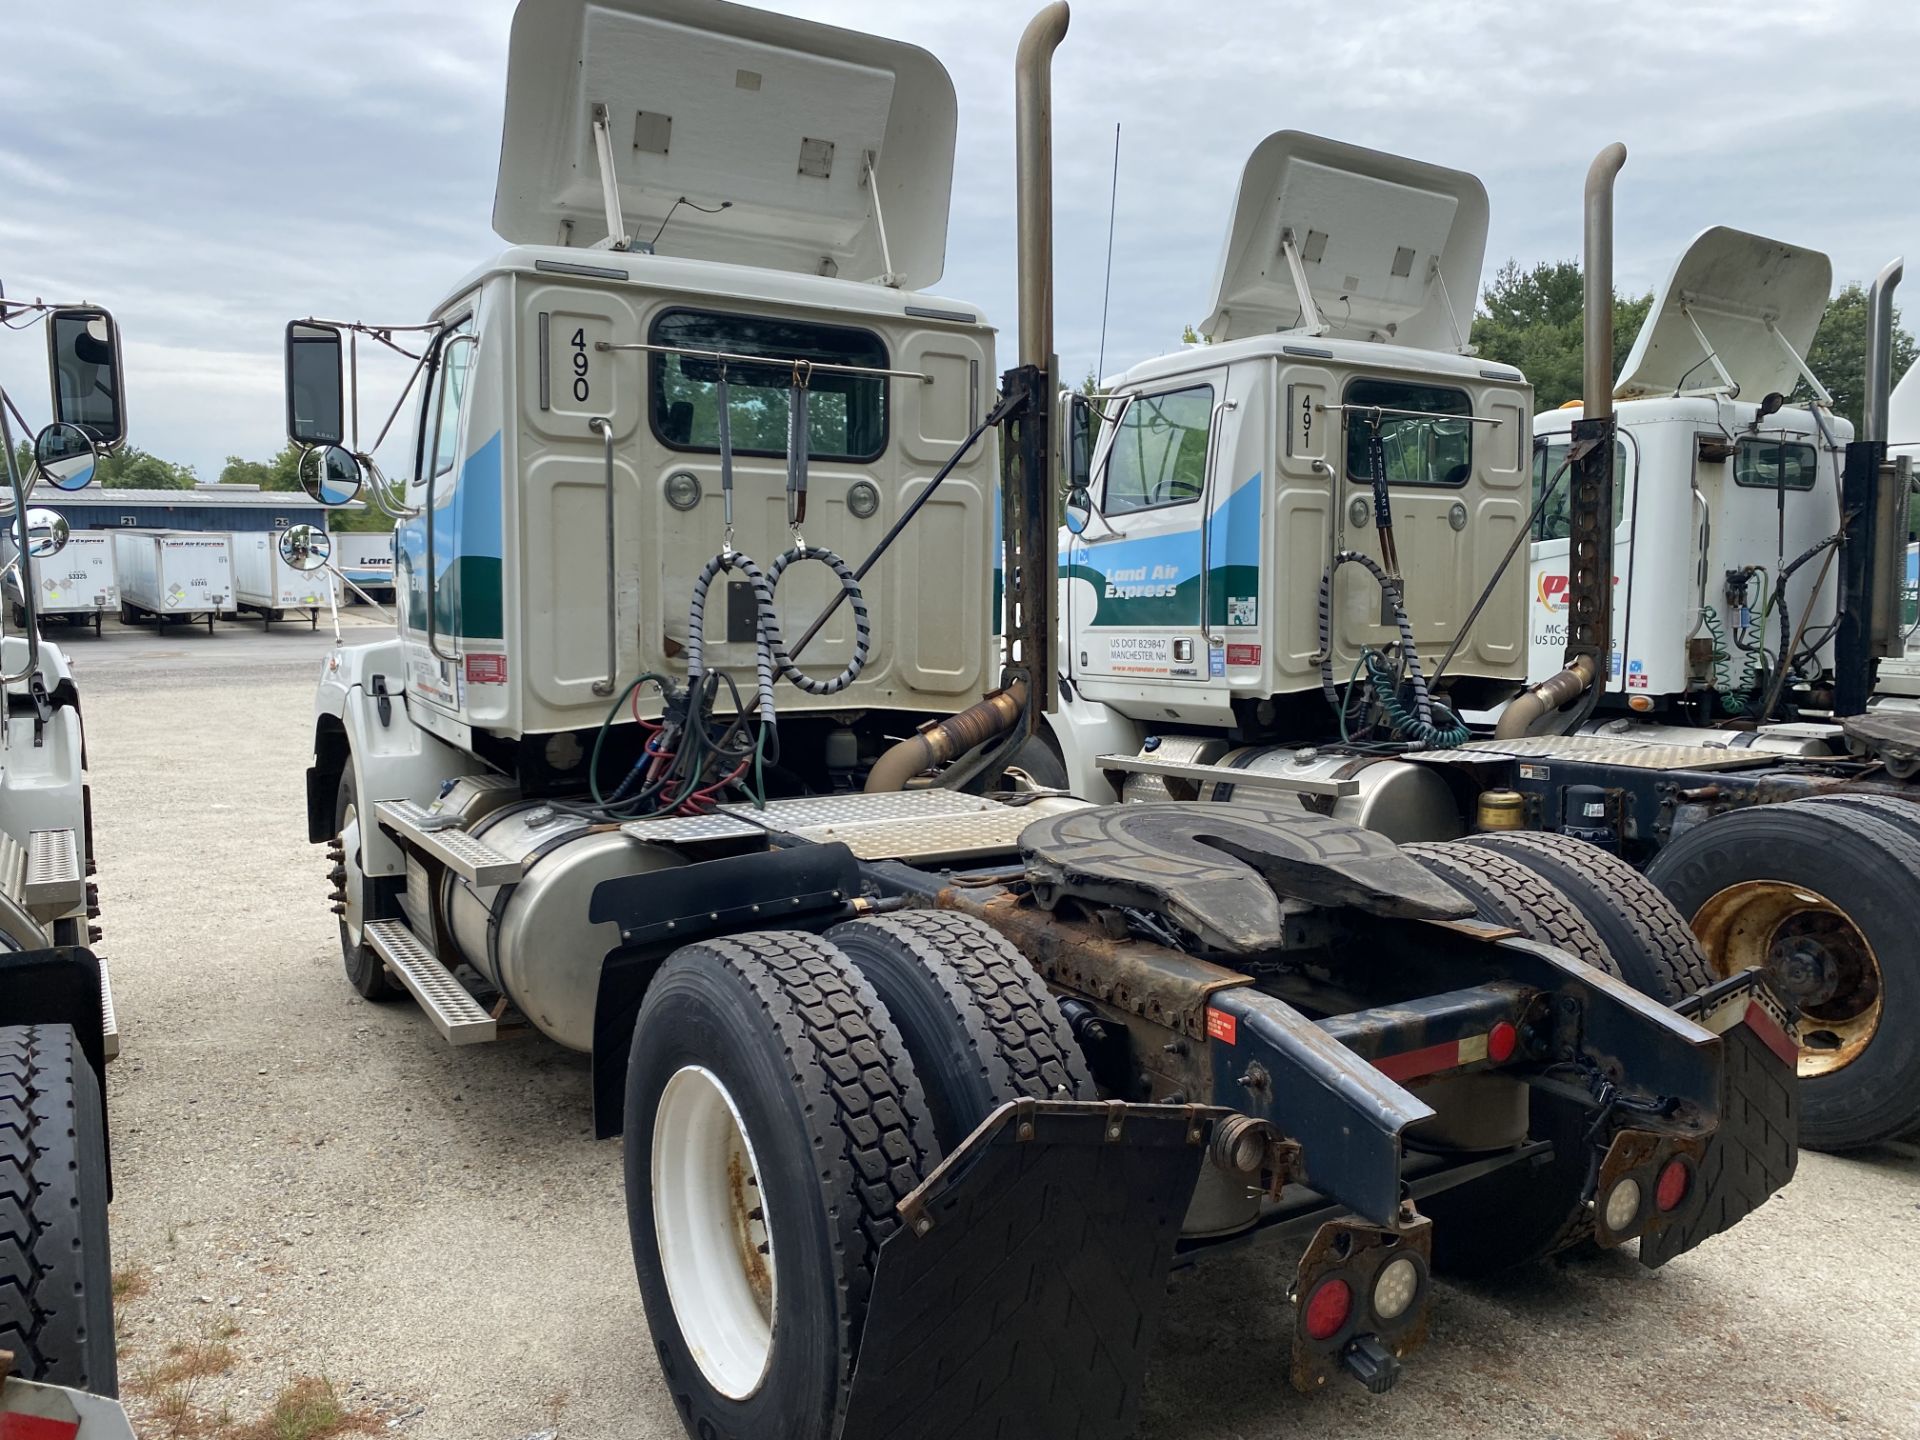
column 305, row 547
column 332, row 475
column 83, row 354
column 65, row 455
column 47, row 532
column 316, row 409
column 1079, row 509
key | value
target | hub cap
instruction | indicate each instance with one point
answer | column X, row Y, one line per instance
column 710, row 1221
column 351, row 917
column 1813, row 956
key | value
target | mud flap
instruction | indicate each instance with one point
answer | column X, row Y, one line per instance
column 1756, row 1146
column 1022, row 1293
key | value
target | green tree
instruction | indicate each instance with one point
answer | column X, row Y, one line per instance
column 1532, row 320
column 131, row 468
column 1838, row 354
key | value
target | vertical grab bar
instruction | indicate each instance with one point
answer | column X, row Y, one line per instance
column 22, row 559
column 603, row 427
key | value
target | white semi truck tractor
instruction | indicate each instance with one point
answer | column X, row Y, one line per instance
column 57, row 1027
column 1297, row 555
column 694, row 749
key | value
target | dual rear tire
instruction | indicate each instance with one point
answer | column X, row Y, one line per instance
column 785, row 1092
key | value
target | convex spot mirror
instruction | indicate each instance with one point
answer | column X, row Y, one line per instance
column 331, row 475
column 83, row 353
column 65, row 455
column 47, row 533
column 316, row 412
column 1079, row 509
column 305, row 547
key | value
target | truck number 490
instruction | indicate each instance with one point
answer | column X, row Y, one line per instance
column 580, row 388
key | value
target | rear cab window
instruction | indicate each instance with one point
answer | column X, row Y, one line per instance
column 1770, row 464
column 1426, row 433
column 846, row 414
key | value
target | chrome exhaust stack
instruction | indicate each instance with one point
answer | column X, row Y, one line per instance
column 1879, row 378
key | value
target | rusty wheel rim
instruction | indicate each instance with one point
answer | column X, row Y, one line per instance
column 1813, row 956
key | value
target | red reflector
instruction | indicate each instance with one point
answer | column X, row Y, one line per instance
column 15, row 1426
column 1671, row 1189
column 1328, row 1309
column 1502, row 1040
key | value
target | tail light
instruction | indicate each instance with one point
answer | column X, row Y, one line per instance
column 1676, row 1179
column 1328, row 1309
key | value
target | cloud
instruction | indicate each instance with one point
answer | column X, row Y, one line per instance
column 212, row 169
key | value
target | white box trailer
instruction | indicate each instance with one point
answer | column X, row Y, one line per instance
column 79, row 584
column 364, row 557
column 267, row 586
column 174, row 575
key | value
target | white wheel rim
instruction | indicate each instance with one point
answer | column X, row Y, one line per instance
column 350, row 862
column 710, row 1223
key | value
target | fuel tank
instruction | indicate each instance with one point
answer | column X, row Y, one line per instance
column 532, row 939
column 1401, row 801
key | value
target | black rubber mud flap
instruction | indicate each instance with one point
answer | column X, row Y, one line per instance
column 1022, row 1294
column 1756, row 1146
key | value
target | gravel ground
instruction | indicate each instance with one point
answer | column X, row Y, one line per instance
column 436, row 1232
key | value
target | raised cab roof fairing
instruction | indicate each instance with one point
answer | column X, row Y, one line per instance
column 1903, row 414
column 718, row 102
column 1391, row 247
column 1735, row 284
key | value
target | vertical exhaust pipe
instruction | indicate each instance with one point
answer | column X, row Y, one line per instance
column 1590, row 545
column 1598, row 305
column 1033, row 160
column 1879, row 378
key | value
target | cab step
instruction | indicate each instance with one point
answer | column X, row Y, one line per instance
column 455, row 1013
column 43, row 876
column 441, row 838
column 109, row 1022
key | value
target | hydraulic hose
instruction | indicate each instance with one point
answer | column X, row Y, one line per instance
column 1422, row 702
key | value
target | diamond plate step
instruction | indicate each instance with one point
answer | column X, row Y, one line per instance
column 109, row 1022
column 455, row 1013
column 440, row 837
column 53, row 879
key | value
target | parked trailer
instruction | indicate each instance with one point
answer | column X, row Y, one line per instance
column 264, row 583
column 171, row 576
column 78, row 584
column 850, row 1025
column 366, row 559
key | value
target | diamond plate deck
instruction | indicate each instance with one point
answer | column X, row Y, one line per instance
column 916, row 825
column 455, row 1014
column 1603, row 750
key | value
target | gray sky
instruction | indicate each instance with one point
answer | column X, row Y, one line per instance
column 209, row 169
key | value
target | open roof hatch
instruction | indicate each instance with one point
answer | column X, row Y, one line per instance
column 1736, row 314
column 776, row 118
column 1333, row 239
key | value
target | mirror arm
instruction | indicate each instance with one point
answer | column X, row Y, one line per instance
column 27, row 604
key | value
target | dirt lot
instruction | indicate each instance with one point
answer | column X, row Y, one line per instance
column 309, row 1185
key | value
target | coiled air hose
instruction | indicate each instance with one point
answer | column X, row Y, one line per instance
column 771, row 659
column 1416, row 724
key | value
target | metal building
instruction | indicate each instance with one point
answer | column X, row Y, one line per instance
column 205, row 507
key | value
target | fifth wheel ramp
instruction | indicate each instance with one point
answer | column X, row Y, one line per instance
column 1021, row 1296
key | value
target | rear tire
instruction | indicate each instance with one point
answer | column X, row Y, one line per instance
column 978, row 1021
column 56, row 1274
column 366, row 972
column 1824, row 895
column 1644, row 932
column 1526, row 1211
column 765, row 1082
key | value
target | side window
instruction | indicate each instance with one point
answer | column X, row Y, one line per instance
column 456, row 370
column 1770, row 464
column 1549, row 454
column 1159, row 451
column 1422, row 443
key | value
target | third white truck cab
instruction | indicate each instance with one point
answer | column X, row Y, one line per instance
column 1721, row 491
